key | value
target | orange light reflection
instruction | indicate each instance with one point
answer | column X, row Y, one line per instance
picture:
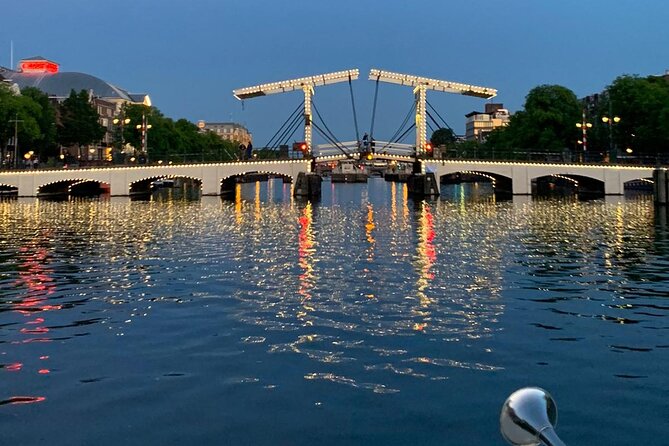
column 238, row 203
column 258, row 209
column 306, row 251
column 369, row 228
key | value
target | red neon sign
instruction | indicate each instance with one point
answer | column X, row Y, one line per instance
column 38, row 66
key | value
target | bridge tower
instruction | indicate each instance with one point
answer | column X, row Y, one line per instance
column 306, row 84
column 420, row 86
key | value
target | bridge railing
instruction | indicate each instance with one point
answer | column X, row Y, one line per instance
column 352, row 147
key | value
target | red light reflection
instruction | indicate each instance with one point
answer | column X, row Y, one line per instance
column 23, row 400
column 426, row 256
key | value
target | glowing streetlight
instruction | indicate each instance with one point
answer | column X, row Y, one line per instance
column 144, row 126
column 584, row 126
column 610, row 121
column 120, row 122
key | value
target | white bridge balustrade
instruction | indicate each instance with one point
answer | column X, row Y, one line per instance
column 119, row 179
column 521, row 174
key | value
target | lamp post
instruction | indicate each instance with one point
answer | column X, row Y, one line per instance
column 16, row 121
column 610, row 120
column 120, row 122
column 144, row 127
column 584, row 126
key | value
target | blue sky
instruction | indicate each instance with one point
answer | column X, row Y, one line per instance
column 190, row 55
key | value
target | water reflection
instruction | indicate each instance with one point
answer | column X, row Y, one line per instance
column 306, row 250
column 369, row 231
column 426, row 256
column 365, row 296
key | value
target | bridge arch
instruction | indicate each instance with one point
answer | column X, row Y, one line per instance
column 147, row 185
column 639, row 185
column 8, row 190
column 501, row 184
column 73, row 187
column 568, row 184
column 228, row 183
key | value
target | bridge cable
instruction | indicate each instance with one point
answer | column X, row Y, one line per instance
column 401, row 137
column 433, row 120
column 337, row 143
column 401, row 127
column 284, row 124
column 290, row 130
column 278, row 136
column 342, row 149
column 287, row 133
column 326, row 136
column 376, row 94
column 430, row 126
column 404, row 122
column 355, row 116
column 323, row 121
column 443, row 120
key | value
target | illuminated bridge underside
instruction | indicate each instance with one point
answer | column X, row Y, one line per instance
column 522, row 174
column 121, row 179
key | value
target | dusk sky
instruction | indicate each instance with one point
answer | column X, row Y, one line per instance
column 190, row 55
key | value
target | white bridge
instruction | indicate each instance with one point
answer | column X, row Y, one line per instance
column 124, row 181
column 519, row 175
column 127, row 180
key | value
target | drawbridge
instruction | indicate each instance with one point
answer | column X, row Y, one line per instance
column 366, row 147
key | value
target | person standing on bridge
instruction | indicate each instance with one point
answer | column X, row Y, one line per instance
column 249, row 151
column 365, row 142
column 242, row 151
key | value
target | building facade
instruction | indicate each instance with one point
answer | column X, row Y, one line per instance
column 230, row 131
column 107, row 99
column 479, row 124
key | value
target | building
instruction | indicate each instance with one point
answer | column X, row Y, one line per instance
column 480, row 124
column 45, row 75
column 230, row 131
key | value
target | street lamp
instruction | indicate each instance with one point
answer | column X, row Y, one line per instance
column 120, row 122
column 613, row 155
column 16, row 121
column 144, row 127
column 584, row 126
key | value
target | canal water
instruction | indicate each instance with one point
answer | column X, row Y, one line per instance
column 366, row 318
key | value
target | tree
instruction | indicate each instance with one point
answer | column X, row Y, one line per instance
column 547, row 122
column 45, row 144
column 643, row 106
column 442, row 137
column 79, row 124
column 15, row 107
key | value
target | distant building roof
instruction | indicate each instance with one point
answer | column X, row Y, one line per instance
column 45, row 76
column 231, row 124
column 474, row 113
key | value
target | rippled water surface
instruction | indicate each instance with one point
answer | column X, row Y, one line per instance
column 367, row 318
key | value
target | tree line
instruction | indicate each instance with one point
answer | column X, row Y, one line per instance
column 630, row 119
column 546, row 126
column 46, row 127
